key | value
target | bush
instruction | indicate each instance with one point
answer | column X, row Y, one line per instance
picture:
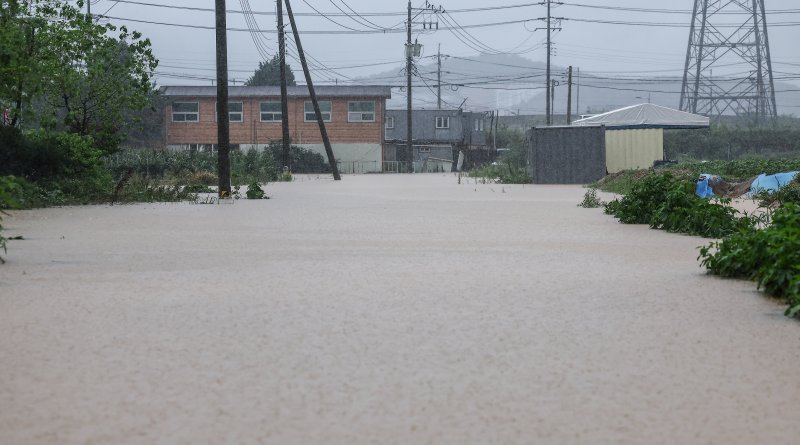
column 301, row 160
column 590, row 200
column 669, row 204
column 770, row 256
column 141, row 189
column 53, row 168
column 254, row 191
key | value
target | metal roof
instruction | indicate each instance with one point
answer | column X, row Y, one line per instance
column 274, row 91
column 645, row 116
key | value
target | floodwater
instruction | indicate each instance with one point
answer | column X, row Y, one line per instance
column 385, row 309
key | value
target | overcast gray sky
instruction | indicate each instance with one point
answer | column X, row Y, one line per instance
column 372, row 44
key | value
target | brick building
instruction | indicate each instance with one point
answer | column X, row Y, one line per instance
column 354, row 117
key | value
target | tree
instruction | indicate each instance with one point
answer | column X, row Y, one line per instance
column 268, row 73
column 72, row 73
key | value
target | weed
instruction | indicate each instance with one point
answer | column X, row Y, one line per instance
column 590, row 200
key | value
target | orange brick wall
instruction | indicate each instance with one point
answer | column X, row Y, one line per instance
column 253, row 131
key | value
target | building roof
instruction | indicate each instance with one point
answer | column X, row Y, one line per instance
column 273, row 91
column 645, row 116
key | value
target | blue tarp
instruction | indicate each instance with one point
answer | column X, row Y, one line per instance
column 761, row 182
column 703, row 187
column 771, row 182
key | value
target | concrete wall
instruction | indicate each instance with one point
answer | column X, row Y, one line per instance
column 633, row 149
column 566, row 155
column 353, row 158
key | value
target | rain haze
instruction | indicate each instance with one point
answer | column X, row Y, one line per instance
column 361, row 41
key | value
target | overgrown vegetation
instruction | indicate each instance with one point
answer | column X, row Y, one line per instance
column 510, row 166
column 770, row 256
column 765, row 249
column 664, row 202
column 722, row 142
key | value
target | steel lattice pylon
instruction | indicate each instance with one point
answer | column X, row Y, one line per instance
column 728, row 68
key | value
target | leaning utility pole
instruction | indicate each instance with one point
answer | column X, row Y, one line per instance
column 223, row 130
column 439, row 78
column 284, row 95
column 320, row 121
column 569, row 95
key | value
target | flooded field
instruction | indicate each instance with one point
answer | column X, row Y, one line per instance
column 382, row 309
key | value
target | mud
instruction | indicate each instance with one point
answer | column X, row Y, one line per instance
column 382, row 309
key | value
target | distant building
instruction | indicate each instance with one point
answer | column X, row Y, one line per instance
column 354, row 117
column 437, row 138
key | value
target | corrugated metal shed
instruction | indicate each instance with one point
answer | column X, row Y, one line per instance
column 275, row 91
column 633, row 149
column 566, row 155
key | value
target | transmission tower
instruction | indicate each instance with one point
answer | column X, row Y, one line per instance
column 728, row 68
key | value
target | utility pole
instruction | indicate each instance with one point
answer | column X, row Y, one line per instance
column 578, row 95
column 569, row 96
column 439, row 78
column 223, row 126
column 409, row 54
column 553, row 84
column 323, row 132
column 411, row 51
column 284, row 95
column 548, row 117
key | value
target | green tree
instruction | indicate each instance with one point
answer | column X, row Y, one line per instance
column 269, row 74
column 71, row 73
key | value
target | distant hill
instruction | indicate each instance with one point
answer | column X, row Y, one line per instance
column 515, row 85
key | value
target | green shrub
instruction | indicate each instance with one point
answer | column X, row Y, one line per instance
column 663, row 202
column 142, row 189
column 254, row 191
column 7, row 185
column 770, row 256
column 590, row 200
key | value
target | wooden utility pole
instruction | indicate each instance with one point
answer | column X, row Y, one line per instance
column 569, row 96
column 223, row 130
column 323, row 132
column 548, row 117
column 409, row 55
column 439, row 78
column 284, row 95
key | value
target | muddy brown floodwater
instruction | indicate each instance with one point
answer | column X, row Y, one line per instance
column 382, row 309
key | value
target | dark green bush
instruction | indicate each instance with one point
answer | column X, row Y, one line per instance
column 254, row 191
column 663, row 202
column 770, row 256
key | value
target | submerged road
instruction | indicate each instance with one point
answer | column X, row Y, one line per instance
column 382, row 309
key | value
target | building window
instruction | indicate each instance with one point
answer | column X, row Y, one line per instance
column 324, row 108
column 478, row 124
column 442, row 122
column 235, row 113
column 271, row 112
column 185, row 111
column 389, row 122
column 361, row 112
column 424, row 149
